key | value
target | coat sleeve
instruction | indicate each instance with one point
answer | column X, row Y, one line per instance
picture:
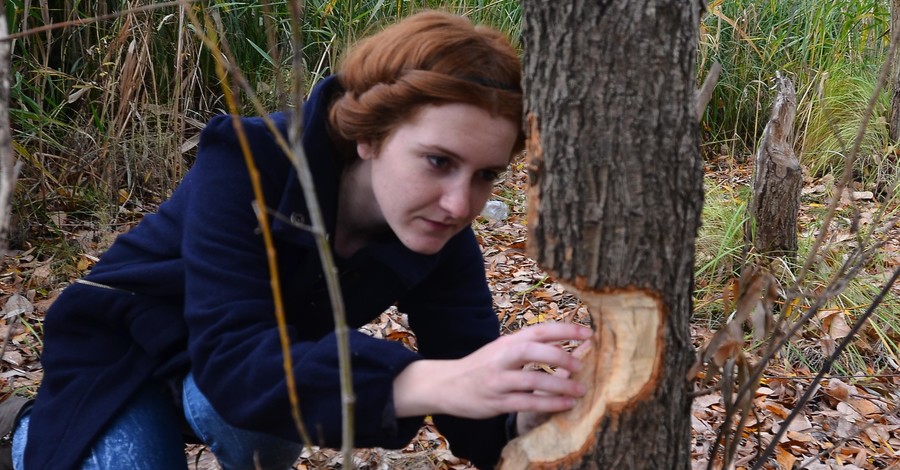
column 234, row 344
column 452, row 315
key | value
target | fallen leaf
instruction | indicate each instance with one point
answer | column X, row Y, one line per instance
column 13, row 357
column 17, row 305
column 784, row 458
column 800, row 423
column 838, row 389
column 777, row 409
column 706, row 401
column 799, row 436
column 865, row 407
column 839, row 327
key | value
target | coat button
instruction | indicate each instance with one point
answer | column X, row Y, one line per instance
column 297, row 219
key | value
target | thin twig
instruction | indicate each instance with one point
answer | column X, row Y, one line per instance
column 264, row 226
column 298, row 157
column 703, row 95
column 826, row 367
column 844, row 181
column 849, row 268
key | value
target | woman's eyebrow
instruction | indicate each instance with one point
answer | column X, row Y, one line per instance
column 449, row 153
column 442, row 150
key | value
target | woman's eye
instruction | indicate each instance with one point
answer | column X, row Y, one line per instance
column 438, row 161
column 490, row 175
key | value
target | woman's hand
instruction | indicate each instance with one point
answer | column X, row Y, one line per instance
column 491, row 381
column 528, row 420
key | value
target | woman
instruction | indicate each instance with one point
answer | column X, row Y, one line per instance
column 173, row 330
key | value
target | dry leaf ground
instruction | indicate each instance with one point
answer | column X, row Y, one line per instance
column 851, row 423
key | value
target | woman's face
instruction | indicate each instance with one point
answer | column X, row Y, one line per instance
column 432, row 175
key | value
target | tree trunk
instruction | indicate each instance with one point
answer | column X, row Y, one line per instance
column 614, row 206
column 777, row 179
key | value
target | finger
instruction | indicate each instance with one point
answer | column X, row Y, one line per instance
column 545, row 384
column 520, row 353
column 529, row 402
column 562, row 373
column 579, row 353
column 554, row 331
column 583, row 349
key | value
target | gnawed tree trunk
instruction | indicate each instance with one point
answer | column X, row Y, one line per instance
column 777, row 179
column 614, row 206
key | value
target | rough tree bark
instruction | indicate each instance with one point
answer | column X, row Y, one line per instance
column 777, row 179
column 614, row 206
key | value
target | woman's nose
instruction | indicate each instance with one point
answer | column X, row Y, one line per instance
column 455, row 200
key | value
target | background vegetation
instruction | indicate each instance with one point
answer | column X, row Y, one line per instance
column 106, row 115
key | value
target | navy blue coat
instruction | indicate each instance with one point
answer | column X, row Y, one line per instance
column 190, row 290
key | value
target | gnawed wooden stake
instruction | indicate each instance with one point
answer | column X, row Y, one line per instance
column 622, row 367
column 777, row 179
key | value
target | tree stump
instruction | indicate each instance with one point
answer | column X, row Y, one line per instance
column 777, row 180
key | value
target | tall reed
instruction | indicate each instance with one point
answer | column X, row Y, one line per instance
column 106, row 114
column 829, row 48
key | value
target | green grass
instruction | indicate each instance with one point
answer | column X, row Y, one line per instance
column 111, row 120
column 719, row 247
column 830, row 49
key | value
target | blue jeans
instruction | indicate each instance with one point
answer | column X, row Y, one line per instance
column 146, row 435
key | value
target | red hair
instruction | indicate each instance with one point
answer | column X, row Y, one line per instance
column 429, row 58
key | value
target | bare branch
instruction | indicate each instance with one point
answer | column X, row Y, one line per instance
column 329, row 268
column 706, row 90
column 826, row 367
column 278, row 300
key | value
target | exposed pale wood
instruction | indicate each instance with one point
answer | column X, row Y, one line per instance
column 777, row 179
column 624, row 365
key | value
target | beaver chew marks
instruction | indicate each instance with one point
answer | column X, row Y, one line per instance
column 622, row 367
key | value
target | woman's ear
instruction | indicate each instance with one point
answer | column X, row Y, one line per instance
column 365, row 149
